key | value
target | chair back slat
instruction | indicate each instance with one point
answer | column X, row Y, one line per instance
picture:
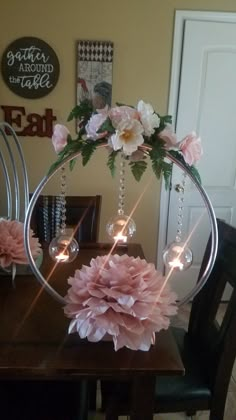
column 82, row 215
column 217, row 338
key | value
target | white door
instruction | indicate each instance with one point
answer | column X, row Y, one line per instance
column 206, row 103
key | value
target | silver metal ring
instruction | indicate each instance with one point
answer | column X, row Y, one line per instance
column 211, row 214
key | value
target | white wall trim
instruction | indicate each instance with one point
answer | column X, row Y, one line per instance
column 180, row 18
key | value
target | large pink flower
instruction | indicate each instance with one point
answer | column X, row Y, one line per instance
column 59, row 137
column 191, row 148
column 12, row 248
column 122, row 297
column 169, row 136
column 121, row 113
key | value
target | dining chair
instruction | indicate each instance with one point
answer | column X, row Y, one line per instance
column 42, row 400
column 82, row 215
column 47, row 400
column 208, row 348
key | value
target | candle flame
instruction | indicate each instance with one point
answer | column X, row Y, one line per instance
column 176, row 263
column 62, row 257
column 120, row 237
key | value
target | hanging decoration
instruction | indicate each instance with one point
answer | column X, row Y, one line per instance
column 137, row 133
column 63, row 248
column 107, row 297
column 121, row 227
column 178, row 255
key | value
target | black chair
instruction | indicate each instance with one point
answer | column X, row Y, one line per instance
column 42, row 400
column 52, row 400
column 208, row 348
column 82, row 214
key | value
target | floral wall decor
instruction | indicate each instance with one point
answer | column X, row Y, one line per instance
column 94, row 72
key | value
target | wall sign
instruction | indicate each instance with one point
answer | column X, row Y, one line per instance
column 30, row 67
column 31, row 124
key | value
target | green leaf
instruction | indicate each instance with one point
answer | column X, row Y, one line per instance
column 167, row 171
column 111, row 162
column 138, row 168
column 156, row 167
column 177, row 155
column 87, row 151
column 53, row 167
column 195, row 173
column 107, row 126
column 81, row 111
column 158, row 148
column 72, row 164
column 164, row 121
column 192, row 168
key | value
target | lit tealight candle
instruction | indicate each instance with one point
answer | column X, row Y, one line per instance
column 120, row 237
column 62, row 257
column 176, row 263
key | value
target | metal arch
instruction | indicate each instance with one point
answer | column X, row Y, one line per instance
column 211, row 214
column 3, row 126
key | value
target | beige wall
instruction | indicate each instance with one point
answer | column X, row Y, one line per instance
column 142, row 34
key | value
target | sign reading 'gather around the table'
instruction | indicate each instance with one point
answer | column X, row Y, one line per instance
column 30, row 67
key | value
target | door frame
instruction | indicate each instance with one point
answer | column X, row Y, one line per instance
column 180, row 18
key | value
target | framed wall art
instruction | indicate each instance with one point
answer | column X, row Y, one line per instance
column 94, row 72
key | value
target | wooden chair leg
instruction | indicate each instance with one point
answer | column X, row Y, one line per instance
column 83, row 401
column 190, row 413
column 109, row 415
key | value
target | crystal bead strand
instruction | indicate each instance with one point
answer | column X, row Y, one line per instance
column 63, row 199
column 121, row 227
column 58, row 215
column 177, row 255
column 180, row 213
column 121, row 201
column 63, row 248
column 45, row 219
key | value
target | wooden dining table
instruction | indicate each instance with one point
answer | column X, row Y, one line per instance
column 35, row 344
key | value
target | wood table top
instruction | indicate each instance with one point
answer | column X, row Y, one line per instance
column 34, row 342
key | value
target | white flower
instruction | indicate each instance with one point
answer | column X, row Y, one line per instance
column 148, row 118
column 128, row 136
column 94, row 124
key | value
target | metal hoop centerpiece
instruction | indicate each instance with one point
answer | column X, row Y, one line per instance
column 211, row 214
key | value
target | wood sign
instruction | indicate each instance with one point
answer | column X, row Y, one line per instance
column 30, row 67
column 31, row 124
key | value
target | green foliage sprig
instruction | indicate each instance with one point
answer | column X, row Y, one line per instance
column 156, row 150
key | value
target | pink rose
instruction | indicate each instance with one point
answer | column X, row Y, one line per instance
column 121, row 113
column 59, row 137
column 191, row 148
column 94, row 124
column 169, row 137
